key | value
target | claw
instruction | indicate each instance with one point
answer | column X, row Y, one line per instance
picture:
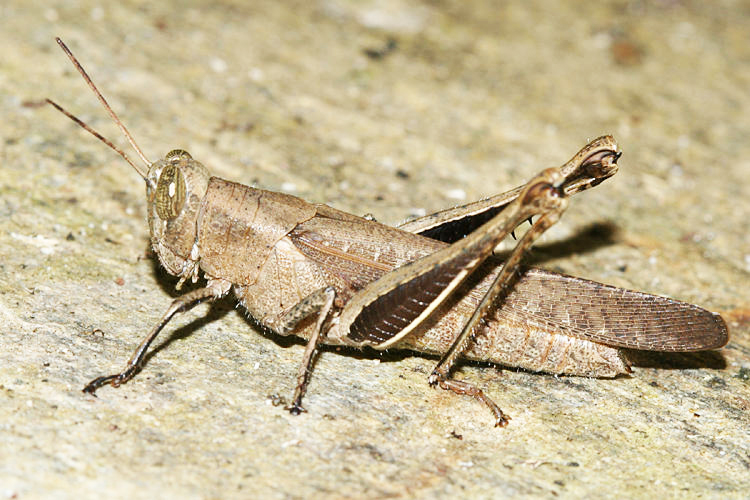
column 295, row 409
column 501, row 420
column 98, row 382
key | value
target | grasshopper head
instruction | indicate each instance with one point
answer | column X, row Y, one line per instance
column 175, row 187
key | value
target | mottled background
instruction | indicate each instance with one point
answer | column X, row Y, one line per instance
column 394, row 108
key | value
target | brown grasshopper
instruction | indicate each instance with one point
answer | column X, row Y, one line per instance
column 430, row 285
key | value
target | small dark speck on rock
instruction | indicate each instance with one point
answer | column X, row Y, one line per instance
column 626, row 53
column 380, row 52
column 716, row 382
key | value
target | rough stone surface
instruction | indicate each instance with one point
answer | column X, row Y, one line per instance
column 393, row 108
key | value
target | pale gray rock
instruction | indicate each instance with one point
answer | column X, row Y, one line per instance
column 389, row 108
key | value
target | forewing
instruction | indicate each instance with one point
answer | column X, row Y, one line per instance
column 613, row 316
column 355, row 252
column 364, row 251
column 358, row 254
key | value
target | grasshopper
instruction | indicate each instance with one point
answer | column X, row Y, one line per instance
column 431, row 285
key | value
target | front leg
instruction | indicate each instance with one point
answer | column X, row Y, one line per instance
column 214, row 290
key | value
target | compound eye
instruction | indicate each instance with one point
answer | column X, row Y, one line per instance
column 176, row 155
column 170, row 192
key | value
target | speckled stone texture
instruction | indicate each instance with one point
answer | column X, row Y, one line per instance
column 393, row 108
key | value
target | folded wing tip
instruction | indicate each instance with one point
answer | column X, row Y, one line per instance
column 720, row 333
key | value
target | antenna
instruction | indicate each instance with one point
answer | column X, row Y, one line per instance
column 95, row 134
column 109, row 110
